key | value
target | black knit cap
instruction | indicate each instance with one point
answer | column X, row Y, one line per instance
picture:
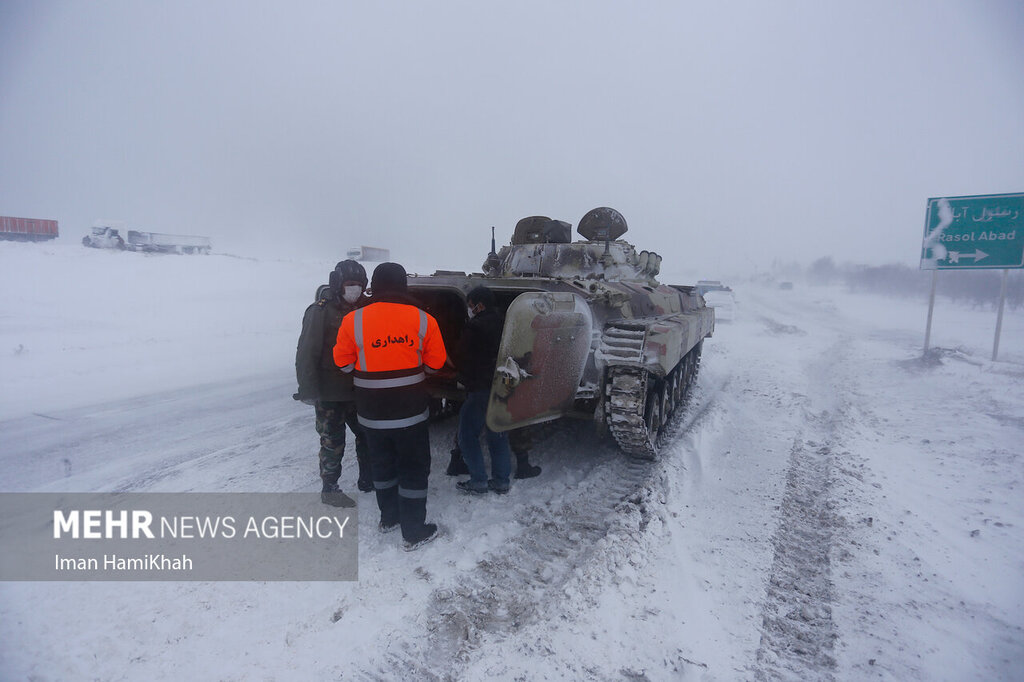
column 388, row 277
column 481, row 295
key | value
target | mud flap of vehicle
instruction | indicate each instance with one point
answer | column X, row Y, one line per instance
column 544, row 348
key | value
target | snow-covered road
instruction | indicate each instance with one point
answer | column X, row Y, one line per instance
column 830, row 506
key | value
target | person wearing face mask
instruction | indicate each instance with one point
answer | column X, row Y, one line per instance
column 327, row 388
column 475, row 360
column 478, row 368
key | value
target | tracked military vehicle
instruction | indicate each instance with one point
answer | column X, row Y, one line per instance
column 589, row 331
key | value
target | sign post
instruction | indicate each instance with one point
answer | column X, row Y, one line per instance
column 973, row 233
column 999, row 317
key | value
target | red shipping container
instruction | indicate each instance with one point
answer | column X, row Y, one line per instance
column 27, row 229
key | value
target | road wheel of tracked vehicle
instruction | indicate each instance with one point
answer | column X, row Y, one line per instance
column 685, row 370
column 653, row 413
column 670, row 395
column 682, row 373
column 665, row 398
column 694, row 356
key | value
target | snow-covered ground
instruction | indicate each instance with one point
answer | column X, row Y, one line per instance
column 830, row 505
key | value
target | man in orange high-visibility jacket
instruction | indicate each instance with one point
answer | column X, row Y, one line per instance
column 389, row 345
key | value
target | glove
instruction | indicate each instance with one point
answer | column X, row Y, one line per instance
column 305, row 401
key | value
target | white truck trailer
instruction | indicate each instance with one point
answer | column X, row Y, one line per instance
column 156, row 242
column 107, row 234
column 369, row 253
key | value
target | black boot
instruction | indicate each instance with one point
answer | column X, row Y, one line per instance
column 365, row 482
column 457, row 466
column 332, row 495
column 523, row 467
column 429, row 534
column 412, row 512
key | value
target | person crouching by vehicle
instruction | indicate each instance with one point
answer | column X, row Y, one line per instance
column 324, row 386
column 475, row 360
column 388, row 345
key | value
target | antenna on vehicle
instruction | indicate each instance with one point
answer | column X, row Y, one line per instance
column 493, row 263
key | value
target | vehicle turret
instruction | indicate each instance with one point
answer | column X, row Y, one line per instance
column 541, row 247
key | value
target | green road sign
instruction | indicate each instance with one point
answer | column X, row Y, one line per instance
column 974, row 232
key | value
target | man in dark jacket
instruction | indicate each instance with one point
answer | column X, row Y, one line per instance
column 326, row 387
column 475, row 360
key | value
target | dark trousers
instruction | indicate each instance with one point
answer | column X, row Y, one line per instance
column 401, row 466
column 331, row 419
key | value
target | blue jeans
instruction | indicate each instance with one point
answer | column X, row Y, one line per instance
column 471, row 423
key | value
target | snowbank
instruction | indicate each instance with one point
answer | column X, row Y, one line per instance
column 80, row 326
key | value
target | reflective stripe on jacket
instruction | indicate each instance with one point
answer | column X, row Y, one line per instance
column 389, row 346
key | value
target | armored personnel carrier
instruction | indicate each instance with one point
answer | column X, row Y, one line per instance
column 589, row 331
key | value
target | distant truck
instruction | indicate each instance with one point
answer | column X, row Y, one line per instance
column 27, row 229
column 107, row 235
column 706, row 285
column 168, row 243
column 369, row 253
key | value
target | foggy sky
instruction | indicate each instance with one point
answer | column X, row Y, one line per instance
column 729, row 134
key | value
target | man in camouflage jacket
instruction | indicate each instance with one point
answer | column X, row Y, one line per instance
column 327, row 388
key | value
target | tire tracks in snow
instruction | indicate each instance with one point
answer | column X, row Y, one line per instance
column 797, row 629
column 798, row 633
column 557, row 559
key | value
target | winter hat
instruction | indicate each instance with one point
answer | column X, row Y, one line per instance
column 481, row 295
column 350, row 271
column 346, row 271
column 388, row 277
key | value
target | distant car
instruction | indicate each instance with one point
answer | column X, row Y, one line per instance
column 724, row 303
column 706, row 285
